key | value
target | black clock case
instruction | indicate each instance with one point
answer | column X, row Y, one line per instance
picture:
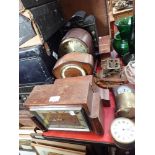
column 35, row 66
column 48, row 19
column 26, row 31
column 28, row 4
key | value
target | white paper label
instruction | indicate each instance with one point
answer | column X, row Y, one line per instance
column 72, row 113
column 54, row 99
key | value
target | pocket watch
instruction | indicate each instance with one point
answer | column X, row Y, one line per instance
column 123, row 132
column 125, row 101
column 76, row 40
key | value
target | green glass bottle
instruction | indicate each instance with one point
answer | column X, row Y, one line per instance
column 124, row 27
column 121, row 46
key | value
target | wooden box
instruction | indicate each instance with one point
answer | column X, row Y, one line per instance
column 98, row 8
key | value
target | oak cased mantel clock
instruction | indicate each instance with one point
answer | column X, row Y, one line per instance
column 76, row 40
column 69, row 104
column 74, row 64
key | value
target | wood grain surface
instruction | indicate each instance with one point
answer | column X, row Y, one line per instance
column 98, row 8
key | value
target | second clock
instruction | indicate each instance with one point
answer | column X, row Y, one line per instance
column 76, row 40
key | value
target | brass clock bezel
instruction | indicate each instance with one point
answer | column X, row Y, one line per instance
column 65, row 41
column 83, row 123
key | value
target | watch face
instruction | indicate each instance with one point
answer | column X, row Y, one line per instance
column 73, row 45
column 124, row 89
column 71, row 119
column 123, row 130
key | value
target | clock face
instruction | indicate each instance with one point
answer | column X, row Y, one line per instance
column 123, row 130
column 73, row 45
column 72, row 70
column 124, row 89
column 62, row 119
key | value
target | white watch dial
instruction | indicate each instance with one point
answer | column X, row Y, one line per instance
column 123, row 130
